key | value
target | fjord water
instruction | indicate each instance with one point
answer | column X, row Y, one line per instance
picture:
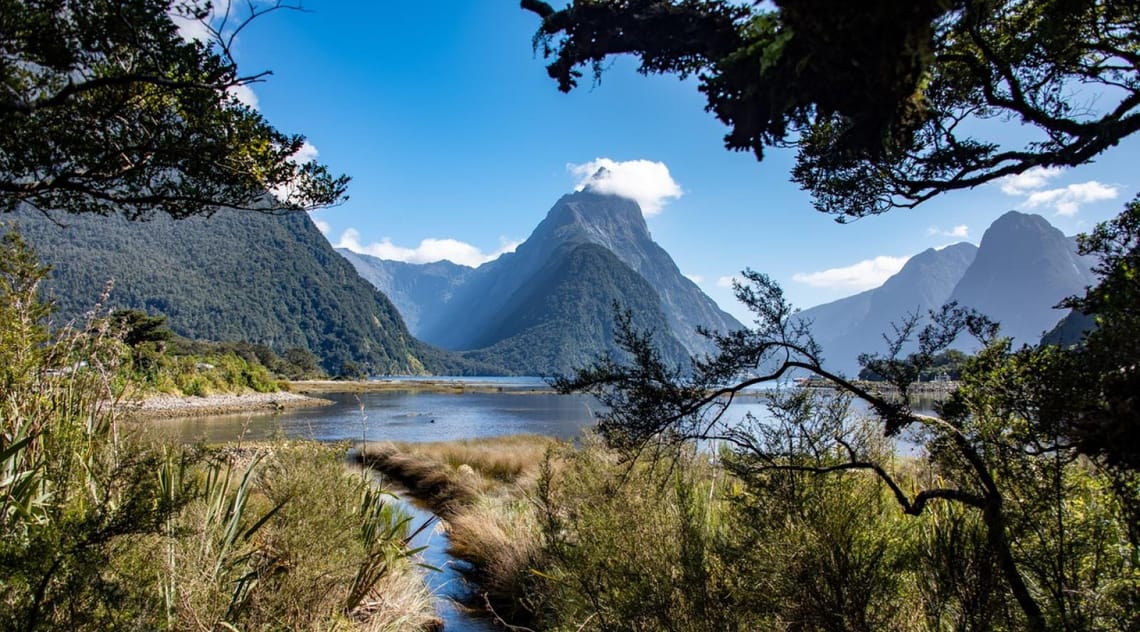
column 493, row 407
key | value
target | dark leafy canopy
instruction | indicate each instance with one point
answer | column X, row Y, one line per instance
column 1105, row 369
column 105, row 108
column 878, row 98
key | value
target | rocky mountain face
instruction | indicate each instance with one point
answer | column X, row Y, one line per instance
column 235, row 276
column 484, row 312
column 562, row 317
column 415, row 289
column 1023, row 267
column 856, row 324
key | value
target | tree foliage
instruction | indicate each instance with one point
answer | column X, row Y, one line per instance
column 999, row 447
column 106, row 108
column 880, row 100
column 1106, row 366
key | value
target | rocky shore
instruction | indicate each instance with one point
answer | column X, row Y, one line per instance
column 168, row 406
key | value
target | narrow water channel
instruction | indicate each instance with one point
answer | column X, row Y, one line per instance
column 447, row 582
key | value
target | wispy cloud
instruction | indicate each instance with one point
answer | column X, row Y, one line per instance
column 1030, row 180
column 646, row 182
column 725, row 281
column 1067, row 201
column 863, row 275
column 427, row 251
column 695, row 278
column 322, row 226
column 961, row 231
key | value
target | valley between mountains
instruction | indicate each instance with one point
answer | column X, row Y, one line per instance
column 543, row 309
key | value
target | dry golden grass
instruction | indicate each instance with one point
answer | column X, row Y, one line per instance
column 449, row 475
column 481, row 488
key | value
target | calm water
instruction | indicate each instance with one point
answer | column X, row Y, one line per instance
column 448, row 583
column 411, row 415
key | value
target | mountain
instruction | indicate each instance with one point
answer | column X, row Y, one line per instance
column 856, row 324
column 499, row 305
column 562, row 317
column 235, row 276
column 1024, row 267
column 415, row 289
column 1020, row 271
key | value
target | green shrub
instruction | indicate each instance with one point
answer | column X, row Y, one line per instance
column 105, row 530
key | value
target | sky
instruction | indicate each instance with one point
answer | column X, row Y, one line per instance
column 458, row 143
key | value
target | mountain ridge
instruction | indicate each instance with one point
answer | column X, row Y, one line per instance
column 479, row 313
column 235, row 276
column 1020, row 270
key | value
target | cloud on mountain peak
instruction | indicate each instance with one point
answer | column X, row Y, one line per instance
column 1065, row 201
column 644, row 181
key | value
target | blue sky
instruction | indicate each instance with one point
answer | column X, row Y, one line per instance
column 458, row 144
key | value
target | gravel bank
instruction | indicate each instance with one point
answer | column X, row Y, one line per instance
column 165, row 406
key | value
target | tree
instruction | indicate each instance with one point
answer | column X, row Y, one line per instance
column 879, row 99
column 106, row 108
column 1107, row 420
column 993, row 447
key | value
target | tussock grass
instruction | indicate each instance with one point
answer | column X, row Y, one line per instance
column 499, row 536
column 301, row 551
column 482, row 489
column 449, row 476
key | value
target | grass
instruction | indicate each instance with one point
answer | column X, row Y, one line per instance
column 481, row 489
column 450, row 477
column 280, row 539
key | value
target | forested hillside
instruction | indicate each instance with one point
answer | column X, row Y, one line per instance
column 563, row 317
column 235, row 276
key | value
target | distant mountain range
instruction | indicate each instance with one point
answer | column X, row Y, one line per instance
column 235, row 276
column 1018, row 274
column 545, row 308
column 548, row 307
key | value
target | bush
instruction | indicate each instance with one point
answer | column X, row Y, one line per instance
column 104, row 530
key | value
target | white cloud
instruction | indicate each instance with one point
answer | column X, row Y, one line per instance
column 322, row 226
column 695, row 278
column 1068, row 200
column 1065, row 200
column 427, row 251
column 646, row 182
column 306, row 154
column 725, row 281
column 863, row 275
column 244, row 94
column 290, row 191
column 960, row 231
column 1029, row 180
column 193, row 30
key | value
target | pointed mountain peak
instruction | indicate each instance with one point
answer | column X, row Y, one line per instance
column 602, row 216
column 601, row 174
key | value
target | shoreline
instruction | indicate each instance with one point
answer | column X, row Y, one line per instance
column 174, row 406
column 441, row 385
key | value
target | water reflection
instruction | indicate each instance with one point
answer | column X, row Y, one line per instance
column 412, row 415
